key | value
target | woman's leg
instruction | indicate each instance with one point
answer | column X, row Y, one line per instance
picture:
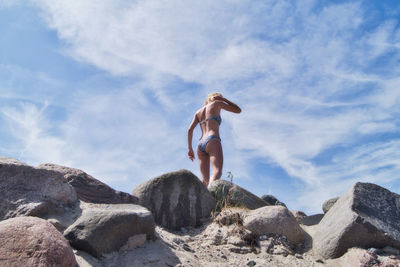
column 204, row 163
column 214, row 150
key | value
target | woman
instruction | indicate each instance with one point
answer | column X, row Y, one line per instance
column 209, row 149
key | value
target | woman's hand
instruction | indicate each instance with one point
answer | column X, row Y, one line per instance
column 218, row 97
column 191, row 154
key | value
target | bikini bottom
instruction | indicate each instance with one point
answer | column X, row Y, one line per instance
column 203, row 142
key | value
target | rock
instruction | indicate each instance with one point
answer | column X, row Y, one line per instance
column 273, row 201
column 88, row 188
column 241, row 250
column 57, row 224
column 277, row 245
column 29, row 191
column 391, row 250
column 375, row 251
column 366, row 216
column 328, row 204
column 176, row 199
column 134, row 241
column 356, row 257
column 105, row 228
column 276, row 220
column 251, row 263
column 31, row 241
column 299, row 215
column 228, row 194
column 312, row 219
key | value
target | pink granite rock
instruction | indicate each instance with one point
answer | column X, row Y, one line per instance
column 88, row 188
column 29, row 191
column 31, row 241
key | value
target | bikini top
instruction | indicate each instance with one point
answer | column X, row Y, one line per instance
column 217, row 118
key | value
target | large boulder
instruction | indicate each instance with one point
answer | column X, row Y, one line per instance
column 270, row 199
column 299, row 215
column 230, row 194
column 327, row 205
column 176, row 199
column 31, row 241
column 274, row 220
column 88, row 188
column 29, row 191
column 366, row 216
column 311, row 220
column 104, row 228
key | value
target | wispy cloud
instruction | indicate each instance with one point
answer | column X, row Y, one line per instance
column 30, row 128
column 318, row 86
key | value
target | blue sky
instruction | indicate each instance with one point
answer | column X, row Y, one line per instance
column 110, row 87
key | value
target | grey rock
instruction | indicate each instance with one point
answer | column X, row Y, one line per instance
column 375, row 251
column 186, row 247
column 270, row 199
column 228, row 194
column 328, row 204
column 176, row 199
column 251, row 263
column 276, row 220
column 391, row 250
column 104, row 228
column 88, row 188
column 299, row 256
column 366, row 216
column 277, row 245
column 299, row 215
column 29, row 191
column 312, row 219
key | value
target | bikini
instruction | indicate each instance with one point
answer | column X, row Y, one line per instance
column 204, row 141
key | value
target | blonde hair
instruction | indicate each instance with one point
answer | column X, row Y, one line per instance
column 210, row 96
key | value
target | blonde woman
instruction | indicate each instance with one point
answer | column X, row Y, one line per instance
column 209, row 148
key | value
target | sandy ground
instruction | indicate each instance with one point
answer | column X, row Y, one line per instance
column 218, row 244
column 197, row 247
column 209, row 245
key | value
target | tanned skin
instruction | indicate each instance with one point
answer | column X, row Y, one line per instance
column 214, row 154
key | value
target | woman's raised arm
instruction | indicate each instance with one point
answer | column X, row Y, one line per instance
column 228, row 105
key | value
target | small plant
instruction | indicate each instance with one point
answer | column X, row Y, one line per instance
column 228, row 196
column 222, row 196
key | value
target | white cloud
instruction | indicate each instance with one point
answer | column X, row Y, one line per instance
column 303, row 74
column 30, row 128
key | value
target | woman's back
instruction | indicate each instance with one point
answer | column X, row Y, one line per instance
column 209, row 119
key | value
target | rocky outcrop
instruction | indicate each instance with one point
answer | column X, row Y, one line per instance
column 104, row 228
column 274, row 220
column 328, row 204
column 366, row 216
column 311, row 220
column 270, row 199
column 299, row 215
column 31, row 241
column 29, row 191
column 176, row 199
column 233, row 195
column 88, row 188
